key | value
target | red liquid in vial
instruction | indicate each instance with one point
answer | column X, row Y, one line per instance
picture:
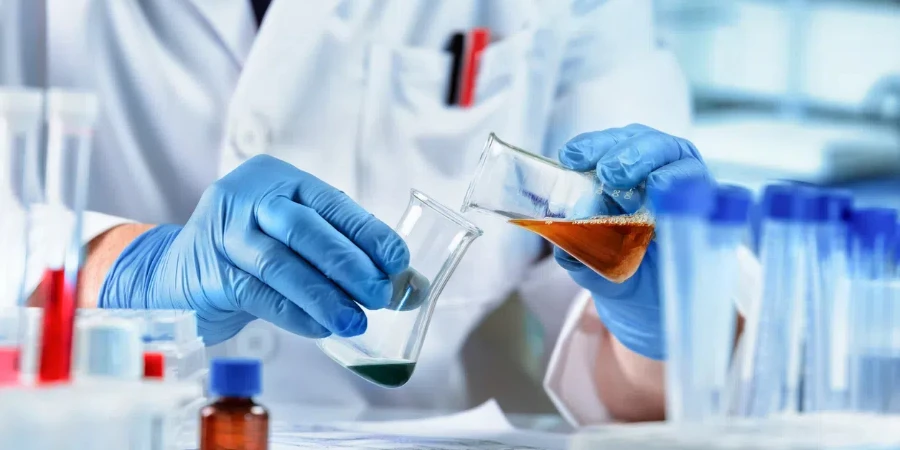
column 59, row 300
column 9, row 366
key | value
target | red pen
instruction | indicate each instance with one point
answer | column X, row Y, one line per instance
column 477, row 40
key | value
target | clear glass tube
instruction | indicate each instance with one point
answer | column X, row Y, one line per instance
column 722, row 272
column 70, row 120
column 387, row 352
column 605, row 227
column 871, row 354
column 825, row 371
column 682, row 248
column 817, row 345
column 700, row 231
column 20, row 120
column 771, row 372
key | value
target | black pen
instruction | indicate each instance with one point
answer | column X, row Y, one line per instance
column 455, row 46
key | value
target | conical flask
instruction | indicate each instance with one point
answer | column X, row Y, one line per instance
column 386, row 353
column 605, row 227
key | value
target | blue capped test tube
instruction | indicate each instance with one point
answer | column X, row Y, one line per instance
column 827, row 295
column 728, row 231
column 681, row 227
column 871, row 357
column 769, row 376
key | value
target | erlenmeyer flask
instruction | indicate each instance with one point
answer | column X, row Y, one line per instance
column 606, row 228
column 386, row 353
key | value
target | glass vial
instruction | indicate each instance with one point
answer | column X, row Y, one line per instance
column 234, row 421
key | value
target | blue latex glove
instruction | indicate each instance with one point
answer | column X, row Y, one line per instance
column 266, row 241
column 623, row 158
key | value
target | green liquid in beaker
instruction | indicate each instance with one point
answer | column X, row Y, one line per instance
column 387, row 374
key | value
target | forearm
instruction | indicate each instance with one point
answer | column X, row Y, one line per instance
column 631, row 386
column 100, row 254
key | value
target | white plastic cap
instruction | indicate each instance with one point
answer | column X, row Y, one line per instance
column 78, row 107
column 21, row 106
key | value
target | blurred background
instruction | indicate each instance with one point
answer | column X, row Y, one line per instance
column 798, row 89
column 805, row 90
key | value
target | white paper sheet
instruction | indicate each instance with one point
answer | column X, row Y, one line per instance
column 486, row 417
column 484, row 427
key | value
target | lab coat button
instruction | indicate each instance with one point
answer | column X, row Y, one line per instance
column 250, row 136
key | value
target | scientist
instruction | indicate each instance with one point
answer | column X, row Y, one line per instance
column 311, row 114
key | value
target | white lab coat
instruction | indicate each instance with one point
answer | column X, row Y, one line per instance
column 352, row 91
column 570, row 380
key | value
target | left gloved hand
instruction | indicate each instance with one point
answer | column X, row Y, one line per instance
column 623, row 158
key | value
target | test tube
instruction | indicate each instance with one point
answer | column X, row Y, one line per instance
column 870, row 312
column 387, row 352
column 20, row 119
column 728, row 231
column 681, row 214
column 70, row 117
column 825, row 370
column 605, row 227
column 770, row 374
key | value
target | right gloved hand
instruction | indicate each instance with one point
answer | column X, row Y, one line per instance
column 266, row 241
column 623, row 158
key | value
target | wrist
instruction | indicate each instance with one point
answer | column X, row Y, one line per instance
column 128, row 281
column 100, row 254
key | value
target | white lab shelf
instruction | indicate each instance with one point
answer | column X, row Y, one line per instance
column 753, row 149
column 844, row 50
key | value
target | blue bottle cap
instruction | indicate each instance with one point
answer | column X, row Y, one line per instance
column 841, row 205
column 895, row 247
column 869, row 225
column 817, row 206
column 235, row 377
column 731, row 204
column 785, row 202
column 686, row 197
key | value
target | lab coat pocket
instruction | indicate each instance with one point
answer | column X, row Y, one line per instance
column 406, row 112
column 412, row 139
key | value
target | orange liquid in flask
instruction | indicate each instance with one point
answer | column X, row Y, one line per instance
column 612, row 246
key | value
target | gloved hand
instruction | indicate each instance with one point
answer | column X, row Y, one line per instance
column 266, row 241
column 623, row 158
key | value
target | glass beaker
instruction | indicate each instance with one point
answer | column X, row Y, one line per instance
column 387, row 352
column 607, row 228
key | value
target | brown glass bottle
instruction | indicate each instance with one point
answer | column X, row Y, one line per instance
column 234, row 424
column 234, row 421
